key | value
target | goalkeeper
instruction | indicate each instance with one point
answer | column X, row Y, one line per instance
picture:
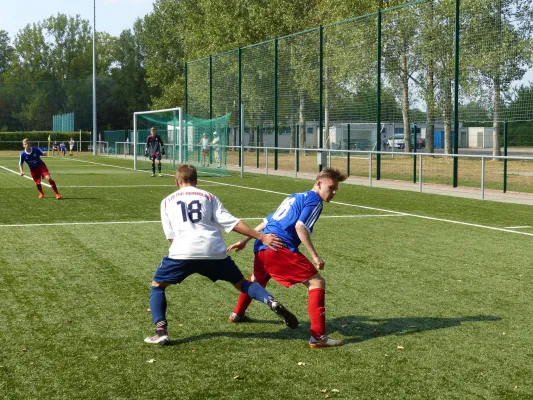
column 154, row 149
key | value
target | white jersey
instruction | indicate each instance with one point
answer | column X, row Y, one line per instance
column 193, row 218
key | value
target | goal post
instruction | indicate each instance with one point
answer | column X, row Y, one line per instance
column 187, row 139
column 168, row 123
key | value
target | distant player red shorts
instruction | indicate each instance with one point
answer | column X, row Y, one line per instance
column 204, row 152
column 284, row 266
column 38, row 172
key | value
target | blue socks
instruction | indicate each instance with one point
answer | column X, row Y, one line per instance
column 257, row 292
column 158, row 304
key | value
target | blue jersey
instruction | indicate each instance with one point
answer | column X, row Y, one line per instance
column 33, row 159
column 300, row 208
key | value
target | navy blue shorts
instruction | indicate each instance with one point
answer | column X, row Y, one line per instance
column 175, row 271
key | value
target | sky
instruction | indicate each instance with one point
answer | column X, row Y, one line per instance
column 112, row 16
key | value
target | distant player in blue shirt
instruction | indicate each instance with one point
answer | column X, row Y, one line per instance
column 293, row 223
column 38, row 170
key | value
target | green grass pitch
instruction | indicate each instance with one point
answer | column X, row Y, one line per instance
column 432, row 295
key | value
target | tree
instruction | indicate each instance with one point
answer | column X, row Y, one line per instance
column 494, row 65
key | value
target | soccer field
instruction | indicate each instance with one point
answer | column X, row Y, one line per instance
column 432, row 295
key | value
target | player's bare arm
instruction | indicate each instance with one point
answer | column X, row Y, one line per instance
column 270, row 240
column 242, row 244
column 305, row 238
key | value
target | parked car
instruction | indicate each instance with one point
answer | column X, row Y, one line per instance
column 420, row 143
column 397, row 141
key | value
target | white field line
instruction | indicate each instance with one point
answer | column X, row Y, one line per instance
column 80, row 223
column 124, row 186
column 25, row 176
column 517, row 227
column 128, row 168
column 355, row 205
column 390, row 211
column 158, row 222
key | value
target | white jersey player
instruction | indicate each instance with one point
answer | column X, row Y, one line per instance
column 192, row 219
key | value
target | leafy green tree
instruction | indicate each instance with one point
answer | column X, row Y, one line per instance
column 494, row 65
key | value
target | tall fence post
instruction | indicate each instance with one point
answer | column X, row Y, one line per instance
column 297, row 148
column 257, row 147
column 320, row 93
column 378, row 95
column 505, row 142
column 456, row 95
column 348, row 154
column 240, row 98
column 413, row 135
column 276, row 104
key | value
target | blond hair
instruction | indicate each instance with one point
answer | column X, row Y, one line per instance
column 333, row 174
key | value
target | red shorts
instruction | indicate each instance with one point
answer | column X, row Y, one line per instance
column 38, row 172
column 204, row 152
column 284, row 266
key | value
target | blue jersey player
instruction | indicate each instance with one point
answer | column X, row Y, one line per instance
column 192, row 221
column 293, row 223
column 32, row 157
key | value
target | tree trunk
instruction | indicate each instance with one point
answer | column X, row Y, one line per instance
column 301, row 120
column 496, row 147
column 325, row 132
column 405, row 103
column 430, row 102
column 448, row 117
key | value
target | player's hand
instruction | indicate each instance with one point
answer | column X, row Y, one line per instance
column 319, row 262
column 272, row 241
column 163, row 151
column 146, row 154
column 236, row 246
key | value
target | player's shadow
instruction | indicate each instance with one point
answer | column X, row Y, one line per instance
column 352, row 329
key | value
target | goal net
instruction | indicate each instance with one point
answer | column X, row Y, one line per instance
column 187, row 139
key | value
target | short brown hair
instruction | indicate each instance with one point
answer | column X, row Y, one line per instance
column 186, row 173
column 333, row 174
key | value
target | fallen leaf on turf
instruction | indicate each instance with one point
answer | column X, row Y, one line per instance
column 237, row 377
column 335, row 391
column 301, row 363
column 400, row 348
column 179, row 324
column 324, row 391
column 148, row 310
column 193, row 350
column 151, row 361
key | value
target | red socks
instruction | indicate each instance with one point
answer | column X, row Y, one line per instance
column 53, row 184
column 317, row 312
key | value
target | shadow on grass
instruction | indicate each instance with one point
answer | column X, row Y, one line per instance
column 352, row 328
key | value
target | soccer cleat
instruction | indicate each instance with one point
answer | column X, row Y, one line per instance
column 160, row 174
column 152, row 175
column 324, row 341
column 234, row 317
column 41, row 195
column 58, row 196
column 161, row 338
column 290, row 319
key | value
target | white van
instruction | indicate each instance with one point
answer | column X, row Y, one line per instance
column 397, row 141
